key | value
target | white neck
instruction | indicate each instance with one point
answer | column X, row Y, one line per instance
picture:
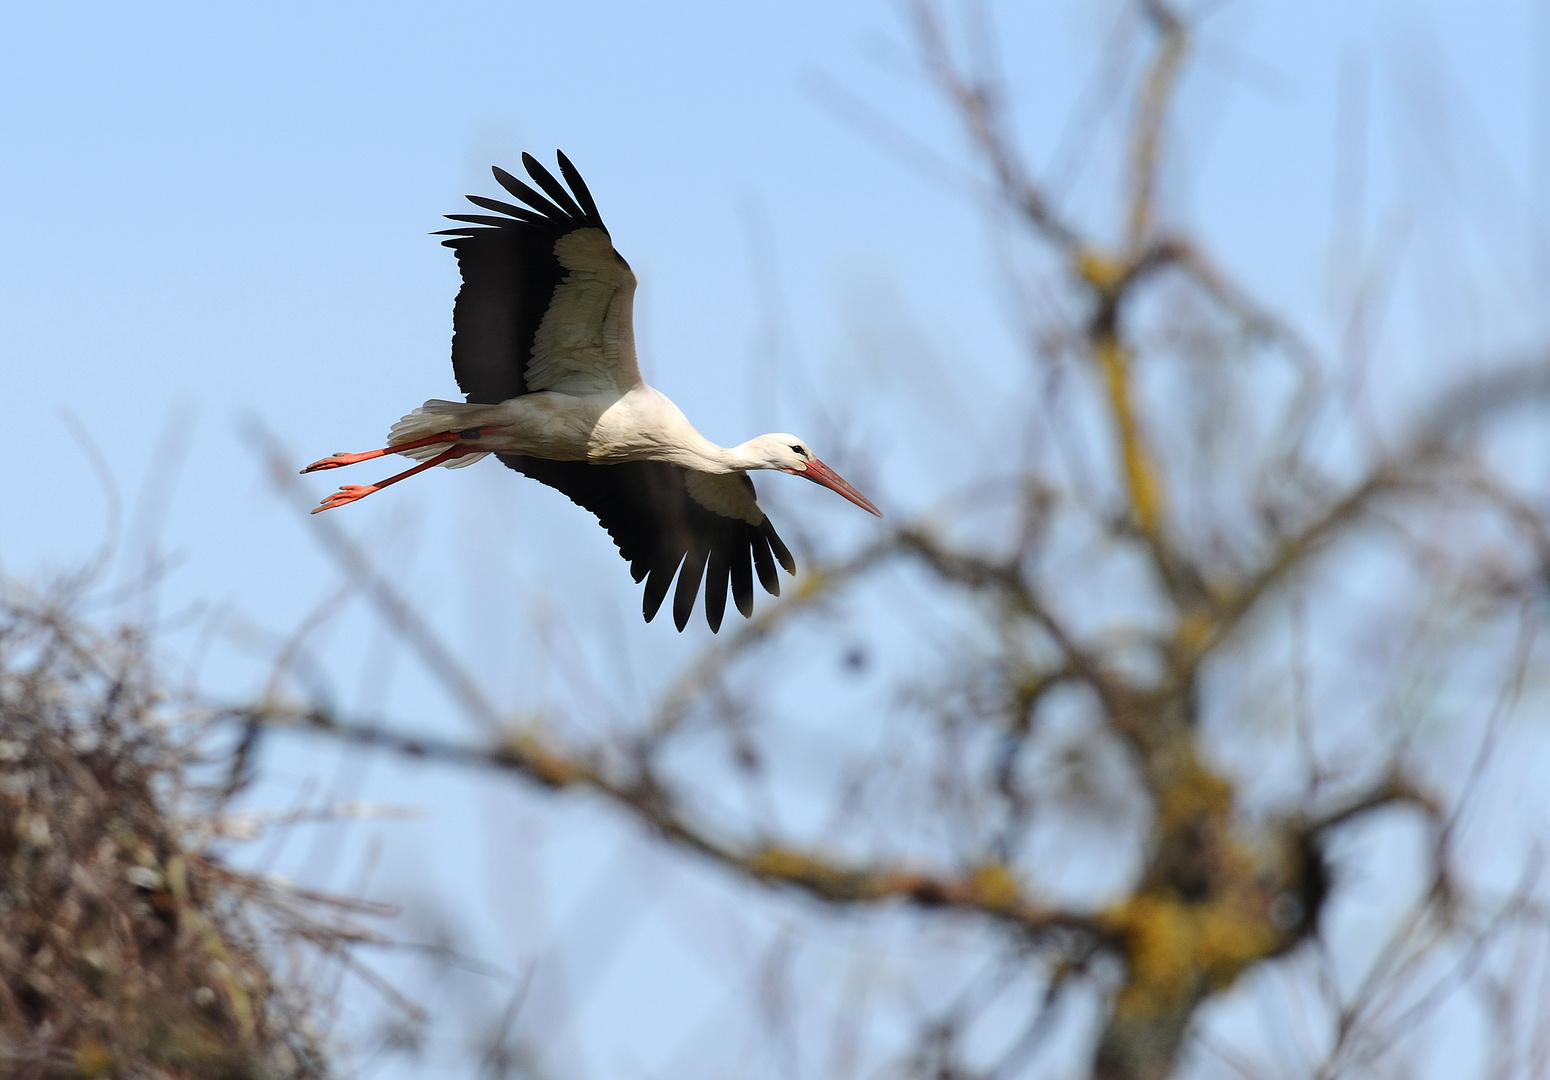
column 659, row 430
column 700, row 454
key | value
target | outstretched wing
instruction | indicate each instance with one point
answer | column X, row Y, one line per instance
column 666, row 519
column 546, row 303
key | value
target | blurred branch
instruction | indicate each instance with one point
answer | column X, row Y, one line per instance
column 977, row 98
column 1143, row 481
column 1393, row 790
column 1362, row 1035
column 820, row 584
column 1257, row 320
column 1458, row 409
column 987, row 890
column 1006, row 583
column 1146, row 139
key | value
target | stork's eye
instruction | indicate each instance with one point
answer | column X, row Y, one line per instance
column 798, row 449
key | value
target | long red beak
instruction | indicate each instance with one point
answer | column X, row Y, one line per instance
column 819, row 473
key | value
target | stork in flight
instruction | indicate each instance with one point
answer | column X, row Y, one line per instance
column 543, row 347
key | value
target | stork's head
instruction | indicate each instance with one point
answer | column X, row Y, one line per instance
column 788, row 453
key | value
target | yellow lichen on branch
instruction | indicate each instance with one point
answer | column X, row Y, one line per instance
column 1100, row 271
column 991, row 888
column 1141, row 479
column 995, row 885
column 1192, row 797
column 1203, row 913
column 1177, row 950
column 1159, row 947
column 527, row 751
column 817, row 874
column 1195, row 633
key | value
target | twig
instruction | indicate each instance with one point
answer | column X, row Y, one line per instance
column 394, row 609
column 1146, row 140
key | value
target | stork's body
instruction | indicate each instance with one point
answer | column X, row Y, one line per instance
column 641, row 424
column 544, row 348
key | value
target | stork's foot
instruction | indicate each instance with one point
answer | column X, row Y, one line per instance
column 348, row 494
column 341, row 459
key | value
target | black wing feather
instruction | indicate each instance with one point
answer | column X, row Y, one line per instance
column 577, row 184
column 526, row 194
column 688, row 587
column 716, row 588
column 657, row 584
column 662, row 532
column 742, row 579
column 765, row 565
column 782, row 553
column 510, row 273
column 552, row 187
column 506, row 208
column 478, row 219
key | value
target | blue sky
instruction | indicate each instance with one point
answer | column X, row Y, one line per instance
column 218, row 211
column 215, row 213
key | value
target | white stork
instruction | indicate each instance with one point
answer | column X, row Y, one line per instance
column 543, row 347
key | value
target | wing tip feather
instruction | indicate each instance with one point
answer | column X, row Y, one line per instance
column 778, row 546
column 552, row 187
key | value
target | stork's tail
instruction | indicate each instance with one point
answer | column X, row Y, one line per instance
column 436, row 417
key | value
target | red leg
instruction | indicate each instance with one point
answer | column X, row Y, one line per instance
column 337, row 460
column 350, row 493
